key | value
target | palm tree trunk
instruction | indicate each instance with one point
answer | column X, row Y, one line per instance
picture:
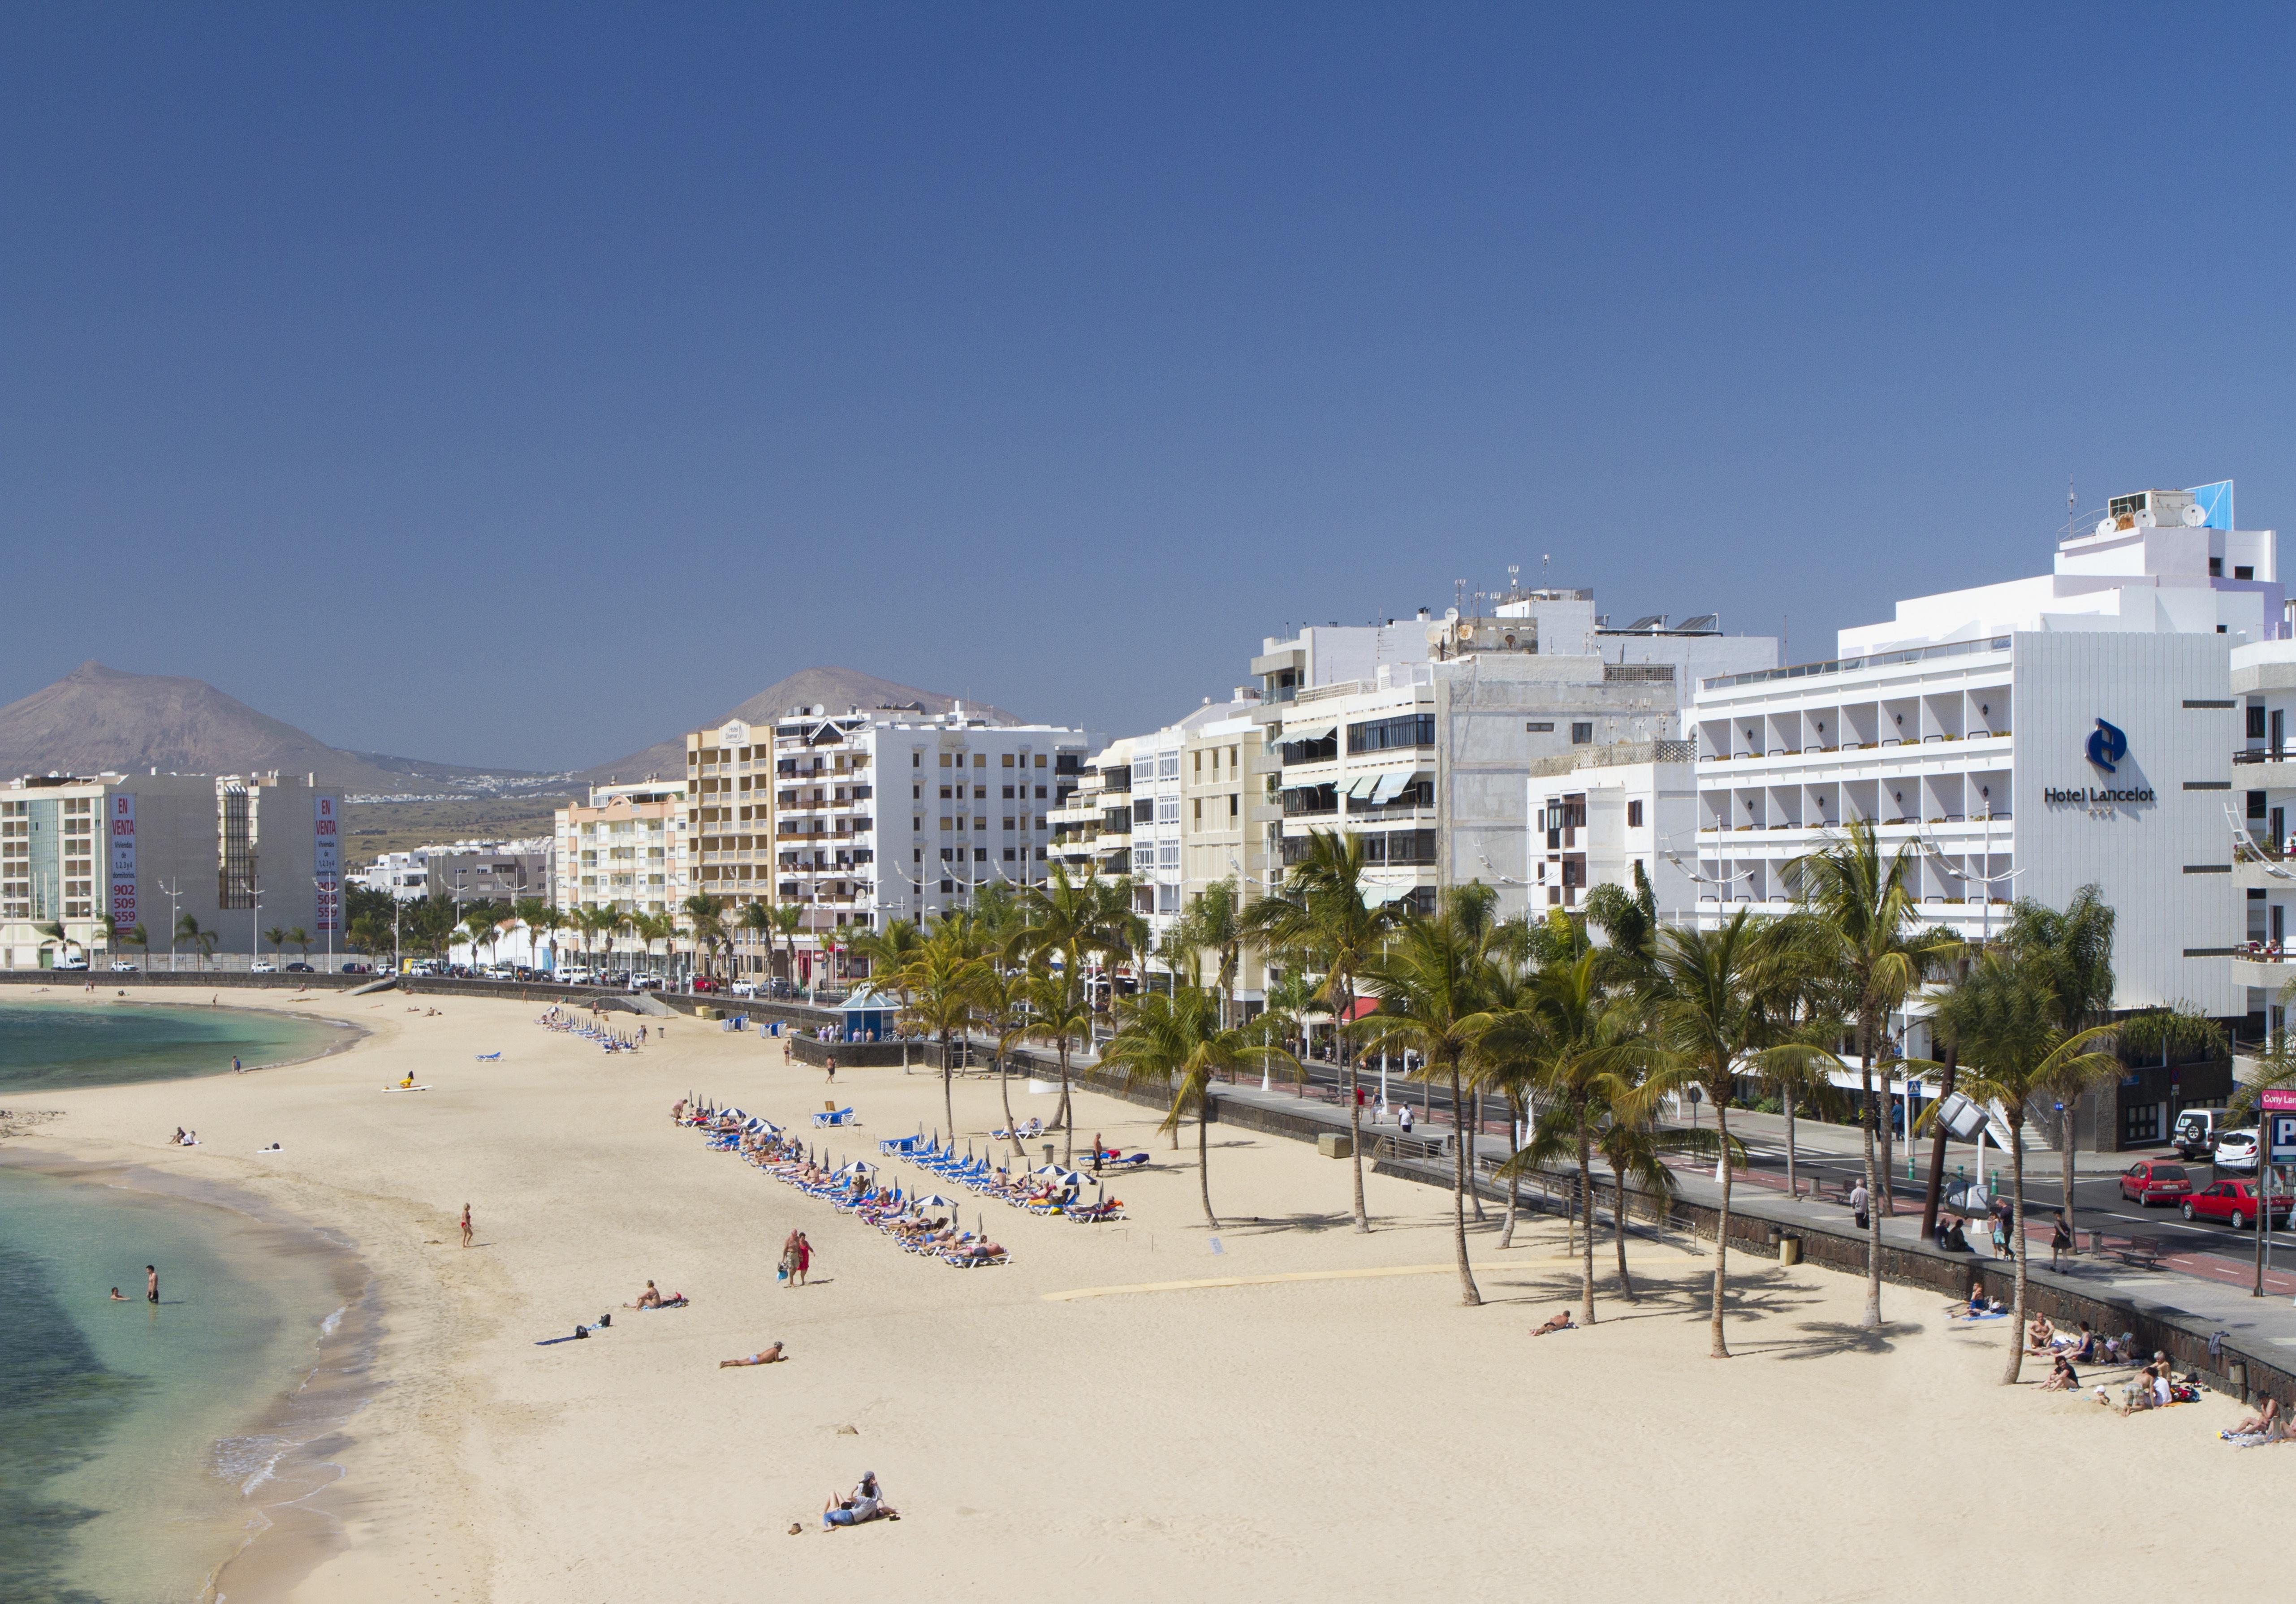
column 1004, row 1086
column 1618, row 1228
column 1203, row 1155
column 1355, row 1115
column 1884, row 1200
column 1060, row 1117
column 1932, row 1194
column 1587, row 1202
column 1721, row 1349
column 1872, row 1318
column 1468, row 1294
column 2016, row 1246
column 1793, row 1186
column 947, row 1081
column 1514, row 1177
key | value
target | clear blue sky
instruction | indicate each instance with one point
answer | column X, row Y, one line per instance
column 512, row 386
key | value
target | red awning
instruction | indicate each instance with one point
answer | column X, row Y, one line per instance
column 1362, row 1006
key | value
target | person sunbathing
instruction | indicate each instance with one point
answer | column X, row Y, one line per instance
column 2062, row 1377
column 1561, row 1322
column 852, row 1511
column 2039, row 1336
column 771, row 1356
column 2265, row 1425
column 981, row 1250
column 651, row 1298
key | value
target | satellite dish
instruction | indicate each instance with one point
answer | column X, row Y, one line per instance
column 2103, row 526
column 2195, row 515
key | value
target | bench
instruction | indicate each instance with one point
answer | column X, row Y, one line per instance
column 2137, row 1255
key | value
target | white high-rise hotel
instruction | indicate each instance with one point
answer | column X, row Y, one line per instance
column 2029, row 736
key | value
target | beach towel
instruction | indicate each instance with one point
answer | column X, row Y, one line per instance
column 406, row 1088
column 488, row 1058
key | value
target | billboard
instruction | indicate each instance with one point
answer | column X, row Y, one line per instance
column 121, row 828
column 326, row 864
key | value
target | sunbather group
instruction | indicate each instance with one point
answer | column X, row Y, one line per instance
column 1048, row 1190
column 851, row 1190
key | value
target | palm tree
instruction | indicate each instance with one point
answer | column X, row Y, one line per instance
column 478, row 925
column 1431, row 985
column 705, row 916
column 277, row 937
column 140, row 939
column 2001, row 1019
column 1581, row 1043
column 1059, row 1014
column 1074, row 918
column 202, row 940
column 1176, row 1039
column 1706, row 993
column 757, row 922
column 545, row 922
column 789, row 918
column 1629, row 921
column 1635, row 1146
column 1217, row 922
column 2074, row 949
column 1863, row 919
column 942, row 980
column 55, row 935
column 531, row 912
column 1320, row 918
column 107, row 930
column 300, row 939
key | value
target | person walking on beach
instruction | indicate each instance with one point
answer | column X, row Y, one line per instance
column 152, row 1283
column 804, row 1260
column 787, row 1268
column 235, row 1069
column 832, row 1068
column 466, row 1224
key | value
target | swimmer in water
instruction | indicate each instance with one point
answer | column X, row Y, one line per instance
column 117, row 1297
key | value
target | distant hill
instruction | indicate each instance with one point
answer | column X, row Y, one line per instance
column 835, row 689
column 96, row 718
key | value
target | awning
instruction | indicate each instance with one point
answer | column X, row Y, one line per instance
column 870, row 1000
column 1363, row 785
column 1308, row 732
column 1362, row 1006
column 1391, row 785
column 1379, row 896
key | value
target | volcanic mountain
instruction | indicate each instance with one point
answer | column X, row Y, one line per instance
column 834, row 689
column 97, row 718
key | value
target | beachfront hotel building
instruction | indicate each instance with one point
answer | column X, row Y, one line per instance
column 891, row 814
column 239, row 854
column 1601, row 813
column 1421, row 736
column 2028, row 739
column 625, row 847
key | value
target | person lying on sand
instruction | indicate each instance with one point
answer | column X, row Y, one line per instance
column 1561, row 1322
column 852, row 1511
column 772, row 1356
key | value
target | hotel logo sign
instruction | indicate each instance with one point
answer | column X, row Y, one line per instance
column 2107, row 747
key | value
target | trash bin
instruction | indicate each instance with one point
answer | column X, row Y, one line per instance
column 1789, row 1250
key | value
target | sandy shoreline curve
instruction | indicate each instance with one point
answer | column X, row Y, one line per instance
column 1329, row 1424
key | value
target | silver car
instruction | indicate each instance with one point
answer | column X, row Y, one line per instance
column 2235, row 1150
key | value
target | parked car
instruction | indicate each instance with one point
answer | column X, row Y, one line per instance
column 264, row 966
column 2236, row 1149
column 301, row 968
column 2196, row 1131
column 72, row 963
column 2234, row 1202
column 356, row 968
column 646, row 982
column 121, row 966
column 744, row 988
column 703, row 983
column 2151, row 1181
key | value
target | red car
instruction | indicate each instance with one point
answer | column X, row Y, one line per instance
column 2235, row 1203
column 2151, row 1181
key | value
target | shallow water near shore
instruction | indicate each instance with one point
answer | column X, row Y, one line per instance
column 140, row 1443
column 63, row 1045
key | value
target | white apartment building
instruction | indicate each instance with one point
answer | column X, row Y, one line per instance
column 2028, row 738
column 1601, row 813
column 881, row 815
column 238, row 854
column 1429, row 757
column 1092, row 824
column 626, row 847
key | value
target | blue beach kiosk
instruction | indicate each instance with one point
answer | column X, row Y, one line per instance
column 868, row 1015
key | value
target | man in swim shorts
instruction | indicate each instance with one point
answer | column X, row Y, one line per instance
column 152, row 1283
column 771, row 1356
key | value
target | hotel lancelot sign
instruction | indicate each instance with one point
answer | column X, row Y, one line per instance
column 2107, row 746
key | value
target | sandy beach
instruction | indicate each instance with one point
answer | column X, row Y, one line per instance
column 1352, row 1435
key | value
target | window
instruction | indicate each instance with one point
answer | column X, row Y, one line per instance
column 945, row 760
column 2255, row 721
column 1008, row 793
column 2216, row 567
column 1040, row 760
column 1008, row 760
column 2255, row 804
column 916, row 760
column 1544, row 726
column 2243, row 573
column 1387, row 734
column 1200, row 812
column 1040, row 793
column 1198, row 768
column 981, row 760
column 1233, row 802
column 1633, row 816
column 1582, row 734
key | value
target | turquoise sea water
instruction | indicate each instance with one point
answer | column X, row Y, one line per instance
column 58, row 1046
column 135, row 1440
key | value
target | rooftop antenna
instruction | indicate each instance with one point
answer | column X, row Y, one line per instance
column 1514, row 579
column 2072, row 506
column 1544, row 559
column 1459, row 597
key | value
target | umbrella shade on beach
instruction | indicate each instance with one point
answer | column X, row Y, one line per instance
column 936, row 1201
column 857, row 1168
